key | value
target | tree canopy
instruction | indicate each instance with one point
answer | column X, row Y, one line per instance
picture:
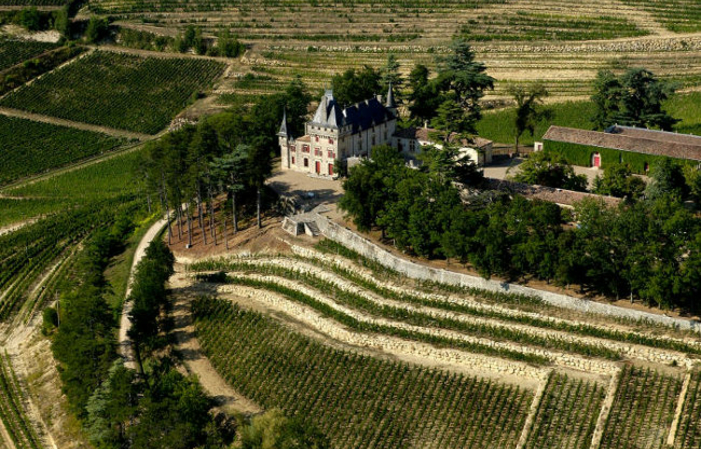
column 634, row 99
column 550, row 170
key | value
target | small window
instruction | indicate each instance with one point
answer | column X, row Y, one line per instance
column 306, row 162
column 293, row 159
column 330, row 154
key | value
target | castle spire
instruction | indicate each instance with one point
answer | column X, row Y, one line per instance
column 283, row 125
column 390, row 98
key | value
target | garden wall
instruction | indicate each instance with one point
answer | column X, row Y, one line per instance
column 414, row 270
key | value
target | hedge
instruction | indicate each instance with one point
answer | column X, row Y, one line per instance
column 581, row 155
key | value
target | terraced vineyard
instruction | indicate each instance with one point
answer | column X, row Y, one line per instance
column 689, row 432
column 15, row 51
column 567, row 414
column 575, row 366
column 358, row 401
column 33, row 147
column 118, row 90
column 643, row 409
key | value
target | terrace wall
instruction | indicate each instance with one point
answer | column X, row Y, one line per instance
column 414, row 270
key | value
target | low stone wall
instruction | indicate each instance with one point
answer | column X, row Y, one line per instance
column 414, row 270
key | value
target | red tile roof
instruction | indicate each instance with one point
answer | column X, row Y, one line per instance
column 636, row 140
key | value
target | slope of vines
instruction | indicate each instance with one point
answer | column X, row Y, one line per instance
column 15, row 51
column 567, row 414
column 33, row 147
column 12, row 413
column 118, row 90
column 358, row 401
column 642, row 411
column 689, row 432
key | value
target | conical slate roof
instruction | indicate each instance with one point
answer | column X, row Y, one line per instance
column 283, row 125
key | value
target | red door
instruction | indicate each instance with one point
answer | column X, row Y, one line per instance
column 318, row 167
column 596, row 160
column 330, row 169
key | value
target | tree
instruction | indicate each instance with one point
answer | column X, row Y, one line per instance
column 424, row 98
column 259, row 169
column 31, row 19
column 450, row 117
column 667, row 179
column 231, row 169
column 528, row 111
column 353, row 86
column 619, row 181
column 370, row 186
column 273, row 430
column 466, row 78
column 97, row 29
column 62, row 22
column 550, row 170
column 448, row 165
column 634, row 99
column 389, row 74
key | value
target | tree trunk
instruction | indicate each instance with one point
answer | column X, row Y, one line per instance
column 226, row 237
column 139, row 362
column 213, row 222
column 199, row 205
column 233, row 209
column 180, row 221
column 202, row 222
column 165, row 194
column 189, row 226
column 258, row 208
column 148, row 202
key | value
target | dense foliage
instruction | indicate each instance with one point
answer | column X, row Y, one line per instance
column 32, row 147
column 118, row 90
column 551, row 170
column 357, row 401
column 633, row 99
column 651, row 250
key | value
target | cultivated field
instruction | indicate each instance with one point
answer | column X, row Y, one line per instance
column 325, row 334
column 117, row 90
column 13, row 51
column 32, row 147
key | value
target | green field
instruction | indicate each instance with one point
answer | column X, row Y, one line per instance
column 33, row 147
column 14, row 51
column 118, row 90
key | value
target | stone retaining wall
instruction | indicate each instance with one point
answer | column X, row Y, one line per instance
column 414, row 270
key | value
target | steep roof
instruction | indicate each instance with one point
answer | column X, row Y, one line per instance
column 637, row 140
column 391, row 104
column 283, row 125
column 359, row 116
